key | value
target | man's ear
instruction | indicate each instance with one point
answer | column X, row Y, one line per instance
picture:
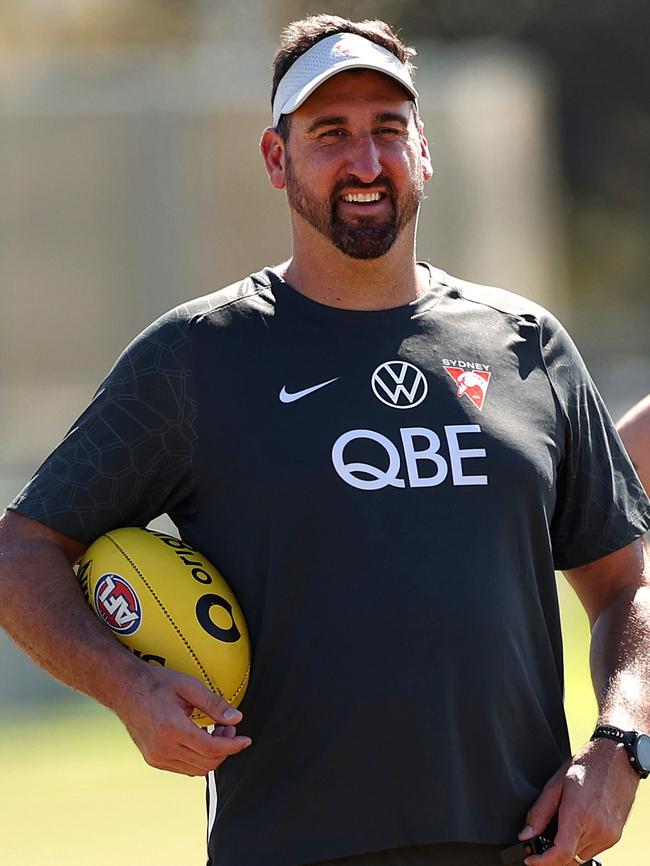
column 273, row 152
column 427, row 166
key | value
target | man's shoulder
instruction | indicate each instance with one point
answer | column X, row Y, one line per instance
column 238, row 293
column 501, row 300
column 166, row 341
column 176, row 324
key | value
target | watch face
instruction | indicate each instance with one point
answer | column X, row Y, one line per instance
column 643, row 752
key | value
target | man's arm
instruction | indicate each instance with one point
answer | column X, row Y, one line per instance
column 593, row 793
column 634, row 430
column 43, row 609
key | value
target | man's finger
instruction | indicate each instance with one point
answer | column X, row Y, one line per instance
column 542, row 812
column 557, row 855
column 227, row 731
column 570, row 832
column 567, row 841
column 553, row 857
column 199, row 752
column 202, row 764
column 210, row 746
column 208, row 702
column 177, row 731
column 185, row 768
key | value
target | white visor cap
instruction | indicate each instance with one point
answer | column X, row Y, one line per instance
column 328, row 57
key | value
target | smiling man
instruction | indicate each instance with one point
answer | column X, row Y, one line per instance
column 363, row 211
column 355, row 169
column 387, row 464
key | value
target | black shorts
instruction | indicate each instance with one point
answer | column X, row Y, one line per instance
column 448, row 854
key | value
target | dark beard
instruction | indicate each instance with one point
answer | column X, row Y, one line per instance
column 365, row 238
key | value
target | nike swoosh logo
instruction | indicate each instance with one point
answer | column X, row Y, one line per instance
column 286, row 397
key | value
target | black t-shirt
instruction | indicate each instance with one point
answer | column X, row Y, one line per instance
column 388, row 493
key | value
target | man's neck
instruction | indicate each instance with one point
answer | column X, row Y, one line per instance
column 321, row 272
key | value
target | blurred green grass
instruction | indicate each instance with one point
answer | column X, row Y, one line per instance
column 75, row 792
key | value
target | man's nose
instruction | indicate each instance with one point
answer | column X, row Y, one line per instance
column 363, row 159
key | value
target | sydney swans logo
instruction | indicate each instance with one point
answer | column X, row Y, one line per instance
column 399, row 384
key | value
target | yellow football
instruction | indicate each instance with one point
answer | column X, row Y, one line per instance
column 170, row 606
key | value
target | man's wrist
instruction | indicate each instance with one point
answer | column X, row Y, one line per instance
column 635, row 745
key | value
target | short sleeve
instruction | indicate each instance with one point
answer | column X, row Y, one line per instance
column 129, row 457
column 601, row 505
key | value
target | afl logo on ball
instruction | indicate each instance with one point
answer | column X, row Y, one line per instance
column 117, row 604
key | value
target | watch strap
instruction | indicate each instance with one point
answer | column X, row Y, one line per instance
column 627, row 739
column 609, row 732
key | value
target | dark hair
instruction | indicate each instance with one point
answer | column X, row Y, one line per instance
column 300, row 36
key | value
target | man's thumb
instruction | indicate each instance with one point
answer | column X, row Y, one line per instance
column 543, row 810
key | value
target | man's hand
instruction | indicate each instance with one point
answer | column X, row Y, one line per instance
column 592, row 796
column 593, row 793
column 157, row 718
column 42, row 607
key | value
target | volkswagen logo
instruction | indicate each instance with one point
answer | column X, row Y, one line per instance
column 399, row 384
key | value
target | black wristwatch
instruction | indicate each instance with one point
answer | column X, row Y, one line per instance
column 637, row 746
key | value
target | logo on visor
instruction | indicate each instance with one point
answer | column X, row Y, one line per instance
column 344, row 48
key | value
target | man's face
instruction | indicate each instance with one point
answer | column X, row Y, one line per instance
column 356, row 162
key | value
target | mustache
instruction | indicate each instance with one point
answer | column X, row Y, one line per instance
column 353, row 183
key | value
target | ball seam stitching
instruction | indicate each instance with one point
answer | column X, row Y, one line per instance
column 242, row 683
column 197, row 661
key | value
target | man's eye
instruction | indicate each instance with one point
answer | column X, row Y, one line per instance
column 388, row 130
column 332, row 133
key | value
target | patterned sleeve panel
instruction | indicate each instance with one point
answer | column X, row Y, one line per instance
column 601, row 505
column 129, row 457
